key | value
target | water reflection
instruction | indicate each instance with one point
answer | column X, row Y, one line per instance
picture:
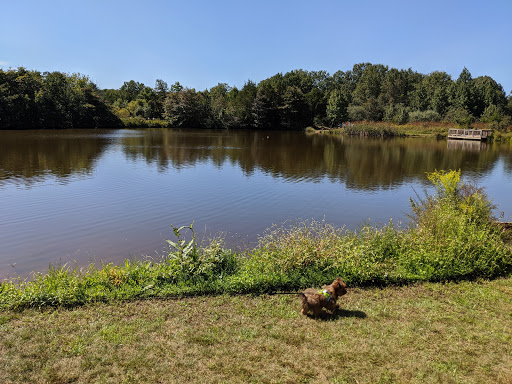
column 467, row 145
column 359, row 163
column 30, row 156
column 365, row 164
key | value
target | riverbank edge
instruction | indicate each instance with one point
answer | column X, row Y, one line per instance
column 437, row 130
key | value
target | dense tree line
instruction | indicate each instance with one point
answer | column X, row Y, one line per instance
column 31, row 99
column 293, row 100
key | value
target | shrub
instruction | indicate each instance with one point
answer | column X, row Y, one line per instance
column 357, row 113
column 424, row 116
column 460, row 116
column 397, row 114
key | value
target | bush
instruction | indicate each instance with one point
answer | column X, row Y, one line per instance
column 424, row 116
column 357, row 113
column 460, row 116
column 397, row 114
column 139, row 122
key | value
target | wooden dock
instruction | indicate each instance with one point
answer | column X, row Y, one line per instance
column 469, row 134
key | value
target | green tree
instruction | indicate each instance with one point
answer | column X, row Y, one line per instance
column 221, row 106
column 337, row 107
column 243, row 102
column 187, row 109
column 488, row 92
column 266, row 104
column 294, row 110
column 433, row 93
column 130, row 90
column 395, row 87
column 463, row 92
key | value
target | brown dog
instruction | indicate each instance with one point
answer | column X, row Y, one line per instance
column 316, row 300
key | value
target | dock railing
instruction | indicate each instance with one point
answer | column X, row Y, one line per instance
column 469, row 134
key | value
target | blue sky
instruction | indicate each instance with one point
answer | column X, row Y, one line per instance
column 201, row 43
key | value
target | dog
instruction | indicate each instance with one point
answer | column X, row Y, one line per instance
column 317, row 301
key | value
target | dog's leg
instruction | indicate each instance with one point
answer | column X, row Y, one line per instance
column 304, row 303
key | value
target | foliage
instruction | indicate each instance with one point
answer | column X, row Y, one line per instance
column 337, row 105
column 30, row 99
column 461, row 116
column 396, row 113
column 371, row 130
column 187, row 108
column 424, row 116
column 293, row 100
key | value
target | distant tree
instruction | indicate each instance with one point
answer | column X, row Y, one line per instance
column 357, row 113
column 221, row 105
column 176, row 87
column 433, row 93
column 337, row 107
column 265, row 109
column 395, row 87
column 294, row 109
column 29, row 99
column 424, row 116
column 187, row 109
column 130, row 90
column 396, row 113
column 369, row 84
column 488, row 92
column 243, row 103
column 161, row 88
column 492, row 114
column 463, row 92
column 508, row 107
column 461, row 116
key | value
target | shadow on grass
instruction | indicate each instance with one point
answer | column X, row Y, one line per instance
column 340, row 313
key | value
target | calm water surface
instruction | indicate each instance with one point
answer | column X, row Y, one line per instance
column 91, row 195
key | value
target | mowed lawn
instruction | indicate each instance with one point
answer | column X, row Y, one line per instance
column 426, row 333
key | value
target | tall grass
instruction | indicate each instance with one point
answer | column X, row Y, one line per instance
column 373, row 130
column 451, row 236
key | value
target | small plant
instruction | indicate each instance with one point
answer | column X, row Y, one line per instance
column 188, row 260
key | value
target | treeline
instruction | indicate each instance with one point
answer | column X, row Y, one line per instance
column 293, row 100
column 31, row 99
column 300, row 98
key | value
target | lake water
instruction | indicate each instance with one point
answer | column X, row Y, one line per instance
column 106, row 195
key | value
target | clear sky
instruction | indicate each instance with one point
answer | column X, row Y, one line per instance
column 204, row 42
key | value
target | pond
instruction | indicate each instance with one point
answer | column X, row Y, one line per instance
column 105, row 195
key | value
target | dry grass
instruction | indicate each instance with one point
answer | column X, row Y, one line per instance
column 429, row 333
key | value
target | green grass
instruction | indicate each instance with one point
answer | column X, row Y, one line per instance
column 365, row 129
column 424, row 333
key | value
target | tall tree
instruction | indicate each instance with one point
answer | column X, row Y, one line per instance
column 488, row 92
column 294, row 110
column 463, row 92
column 337, row 107
column 187, row 109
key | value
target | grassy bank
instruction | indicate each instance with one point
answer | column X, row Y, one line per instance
column 416, row 129
column 428, row 333
column 451, row 237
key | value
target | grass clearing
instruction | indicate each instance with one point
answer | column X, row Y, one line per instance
column 425, row 333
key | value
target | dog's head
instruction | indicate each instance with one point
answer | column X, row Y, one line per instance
column 339, row 287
